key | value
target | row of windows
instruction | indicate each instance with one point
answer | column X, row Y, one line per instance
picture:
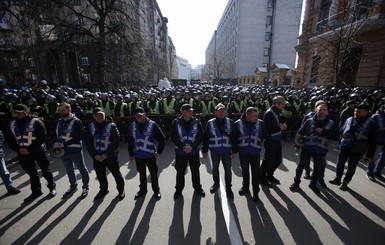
column 31, row 62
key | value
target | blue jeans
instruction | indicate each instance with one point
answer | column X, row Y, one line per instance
column 226, row 161
column 304, row 160
column 378, row 165
column 5, row 174
column 77, row 159
column 253, row 161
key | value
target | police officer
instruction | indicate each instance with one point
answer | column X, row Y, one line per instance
column 273, row 145
column 102, row 140
column 357, row 138
column 374, row 168
column 146, row 142
column 28, row 141
column 220, row 140
column 187, row 134
column 69, row 136
column 316, row 130
column 250, row 134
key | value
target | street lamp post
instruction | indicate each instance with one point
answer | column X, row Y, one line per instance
column 77, row 63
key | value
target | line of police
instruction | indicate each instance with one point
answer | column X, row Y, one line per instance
column 222, row 136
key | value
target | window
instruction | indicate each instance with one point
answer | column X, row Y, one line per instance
column 27, row 40
column 267, row 36
column 314, row 69
column 324, row 9
column 266, row 51
column 80, row 20
column 268, row 20
column 85, row 61
column 87, row 77
column 77, row 2
column 269, row 3
column 31, row 62
column 14, row 62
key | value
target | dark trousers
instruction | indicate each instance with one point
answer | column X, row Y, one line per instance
column 272, row 158
column 152, row 168
column 28, row 163
column 181, row 162
column 252, row 161
column 304, row 161
column 346, row 155
column 113, row 165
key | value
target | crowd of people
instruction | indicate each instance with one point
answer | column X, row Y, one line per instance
column 227, row 121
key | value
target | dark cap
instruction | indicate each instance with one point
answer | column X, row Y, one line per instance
column 139, row 111
column 363, row 105
column 20, row 108
column 280, row 99
column 187, row 107
column 350, row 102
column 98, row 110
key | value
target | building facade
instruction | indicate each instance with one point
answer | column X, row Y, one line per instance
column 73, row 43
column 251, row 34
column 342, row 44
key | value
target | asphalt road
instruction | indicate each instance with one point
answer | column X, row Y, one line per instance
column 355, row 216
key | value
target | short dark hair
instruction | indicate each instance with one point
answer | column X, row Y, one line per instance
column 66, row 105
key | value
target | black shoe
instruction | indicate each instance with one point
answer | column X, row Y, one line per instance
column 157, row 195
column 371, row 177
column 315, row 189
column 70, row 192
column 322, row 183
column 294, row 186
column 85, row 193
column 344, row 186
column 335, row 181
column 229, row 193
column 201, row 192
column 121, row 195
column 13, row 190
column 272, row 179
column 139, row 194
column 243, row 191
column 214, row 188
column 265, row 182
column 255, row 197
column 52, row 193
column 379, row 176
column 177, row 194
column 100, row 195
column 33, row 196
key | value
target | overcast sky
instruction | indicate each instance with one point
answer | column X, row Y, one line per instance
column 191, row 24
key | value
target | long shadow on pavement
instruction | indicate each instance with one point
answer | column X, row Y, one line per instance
column 176, row 230
column 194, row 229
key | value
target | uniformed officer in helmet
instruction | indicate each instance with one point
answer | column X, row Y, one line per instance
column 29, row 135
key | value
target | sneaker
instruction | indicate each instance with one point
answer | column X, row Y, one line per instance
column 229, row 193
column 201, row 192
column 70, row 192
column 101, row 194
column 294, row 186
column 243, row 191
column 335, row 181
column 214, row 188
column 344, row 186
column 52, row 192
column 177, row 194
column 307, row 175
column 13, row 190
column 370, row 177
column 255, row 197
column 157, row 195
column 315, row 189
column 272, row 179
column 33, row 196
column 322, row 183
column 121, row 195
column 379, row 176
column 85, row 193
column 139, row 194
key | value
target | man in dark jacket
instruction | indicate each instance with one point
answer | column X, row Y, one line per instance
column 187, row 134
column 145, row 143
column 28, row 142
column 102, row 140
